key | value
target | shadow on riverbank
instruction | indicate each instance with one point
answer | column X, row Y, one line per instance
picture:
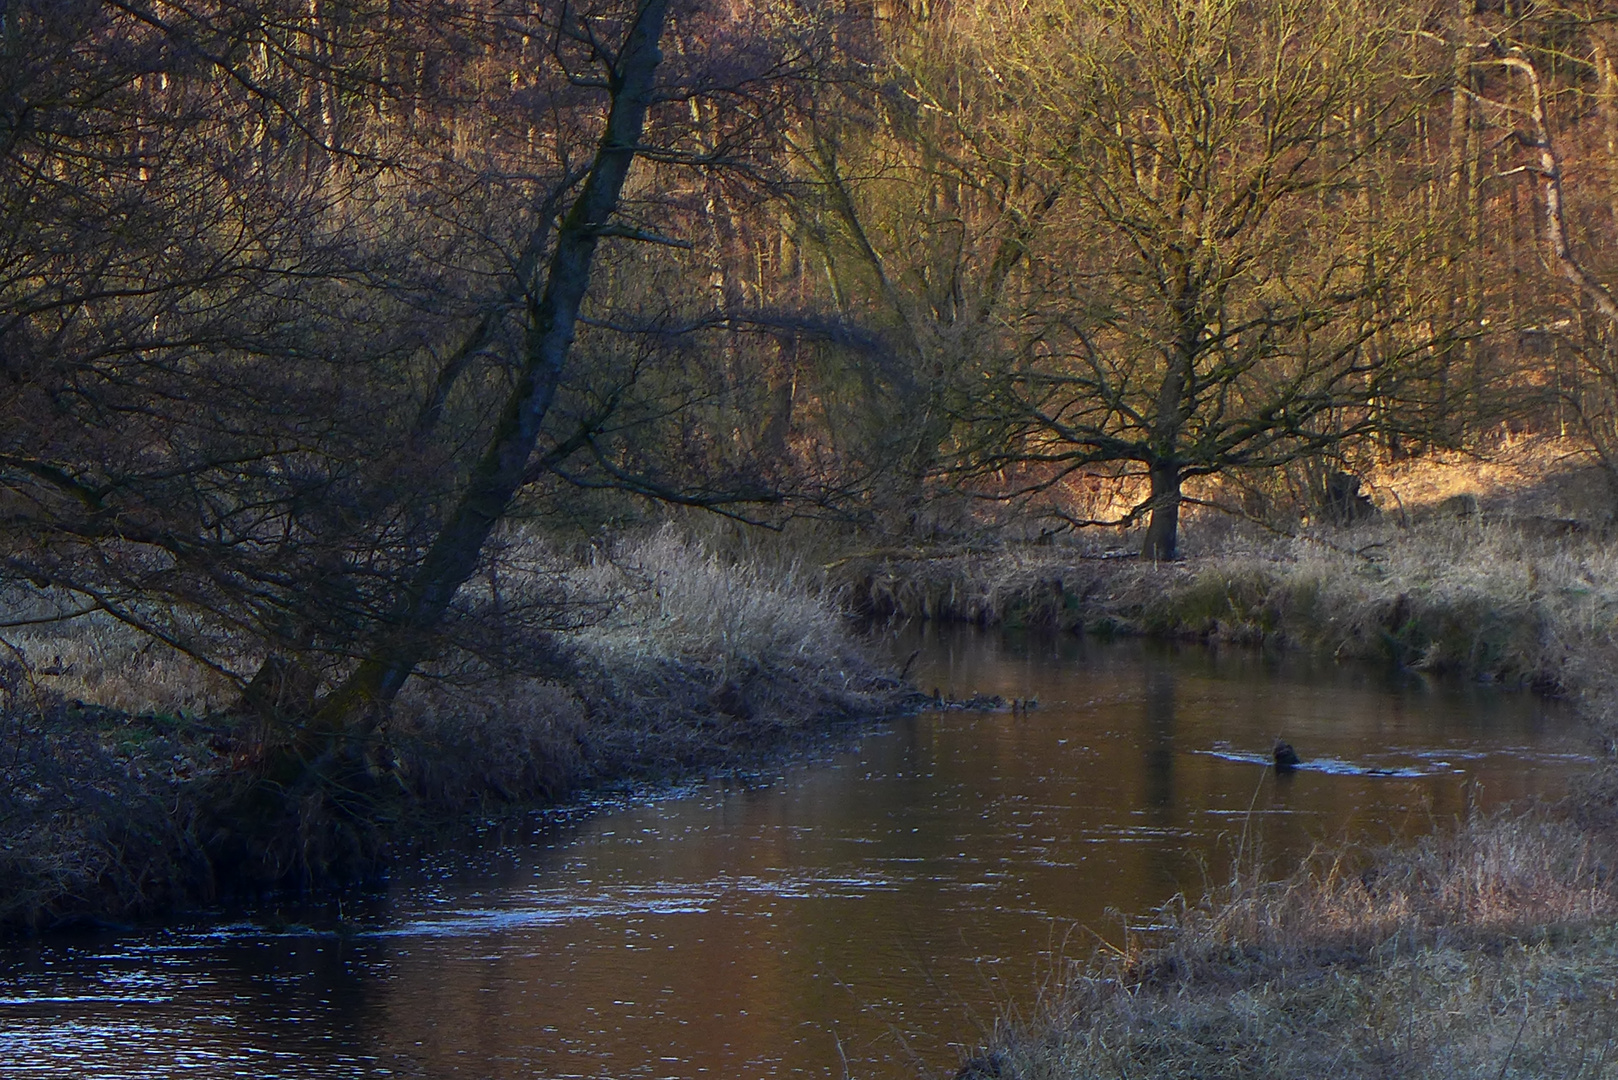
column 691, row 664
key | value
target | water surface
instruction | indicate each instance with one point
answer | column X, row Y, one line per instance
column 870, row 913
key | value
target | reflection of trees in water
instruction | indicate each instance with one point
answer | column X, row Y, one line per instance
column 1165, row 862
column 1158, row 737
column 332, row 1001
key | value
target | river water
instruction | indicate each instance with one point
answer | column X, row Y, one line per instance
column 869, row 914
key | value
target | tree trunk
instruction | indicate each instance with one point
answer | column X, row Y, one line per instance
column 1179, row 379
column 454, row 554
column 1550, row 175
column 1163, row 528
column 1458, row 356
column 1607, row 102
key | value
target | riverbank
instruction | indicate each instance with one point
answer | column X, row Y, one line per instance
column 1498, row 600
column 120, row 761
column 130, row 786
column 1487, row 950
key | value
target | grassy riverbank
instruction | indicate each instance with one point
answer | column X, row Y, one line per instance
column 1487, row 949
column 124, row 768
column 1485, row 599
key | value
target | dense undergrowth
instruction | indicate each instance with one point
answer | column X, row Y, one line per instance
column 130, row 785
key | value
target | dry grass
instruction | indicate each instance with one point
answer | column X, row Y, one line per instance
column 1487, row 599
column 94, row 815
column 1517, row 874
column 97, row 659
column 767, row 640
column 690, row 660
column 1524, row 477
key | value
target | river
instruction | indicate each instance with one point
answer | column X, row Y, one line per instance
column 871, row 913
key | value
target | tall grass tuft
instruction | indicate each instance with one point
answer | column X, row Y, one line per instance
column 762, row 641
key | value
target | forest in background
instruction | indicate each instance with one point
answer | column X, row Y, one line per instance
column 325, row 325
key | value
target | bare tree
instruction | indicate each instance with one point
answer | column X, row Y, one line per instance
column 916, row 207
column 1221, row 298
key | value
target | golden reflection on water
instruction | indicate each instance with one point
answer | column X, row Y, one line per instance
column 877, row 911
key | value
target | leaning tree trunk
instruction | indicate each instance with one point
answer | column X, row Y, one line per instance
column 1596, row 292
column 1163, row 527
column 1549, row 168
column 454, row 554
